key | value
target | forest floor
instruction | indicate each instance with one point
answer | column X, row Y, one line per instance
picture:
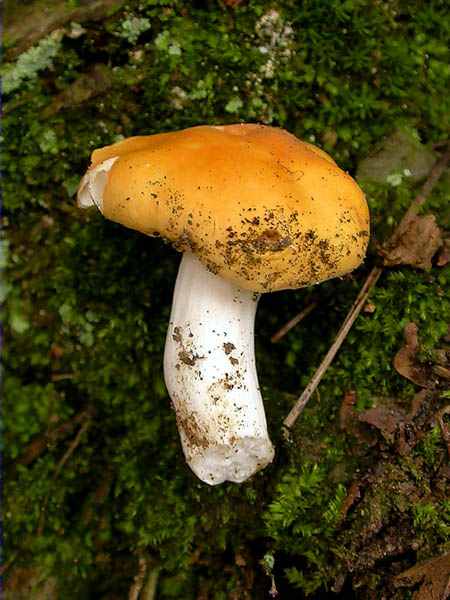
column 97, row 499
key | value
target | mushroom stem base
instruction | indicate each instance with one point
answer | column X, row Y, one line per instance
column 210, row 373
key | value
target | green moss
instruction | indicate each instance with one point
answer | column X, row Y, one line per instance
column 303, row 518
column 431, row 447
column 87, row 304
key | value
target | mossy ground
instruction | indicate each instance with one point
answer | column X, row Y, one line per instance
column 87, row 304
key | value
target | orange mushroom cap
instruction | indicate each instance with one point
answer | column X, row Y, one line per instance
column 257, row 206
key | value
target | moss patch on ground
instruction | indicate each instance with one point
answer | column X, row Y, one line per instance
column 95, row 480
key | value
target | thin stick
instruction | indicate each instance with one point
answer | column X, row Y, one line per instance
column 71, row 449
column 149, row 591
column 436, row 172
column 62, row 376
column 6, row 565
column 39, row 444
column 139, row 580
column 342, row 334
column 292, row 322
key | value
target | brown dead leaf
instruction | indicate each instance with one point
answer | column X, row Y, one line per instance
column 418, row 404
column 405, row 361
column 445, row 427
column 441, row 371
column 385, row 418
column 353, row 494
column 444, row 253
column 433, row 575
column 349, row 422
column 415, row 243
column 394, row 424
column 369, row 308
column 347, row 410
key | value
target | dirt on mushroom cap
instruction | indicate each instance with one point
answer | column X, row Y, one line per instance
column 255, row 204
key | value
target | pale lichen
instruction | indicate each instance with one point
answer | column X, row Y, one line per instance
column 132, row 27
column 28, row 65
column 275, row 38
column 164, row 43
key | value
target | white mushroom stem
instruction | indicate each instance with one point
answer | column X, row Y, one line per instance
column 209, row 365
column 210, row 372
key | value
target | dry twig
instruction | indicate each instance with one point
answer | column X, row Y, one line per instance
column 434, row 176
column 62, row 376
column 7, row 564
column 149, row 591
column 292, row 322
column 70, row 450
column 39, row 444
column 139, row 579
column 342, row 334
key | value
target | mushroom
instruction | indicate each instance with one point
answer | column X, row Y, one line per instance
column 254, row 210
